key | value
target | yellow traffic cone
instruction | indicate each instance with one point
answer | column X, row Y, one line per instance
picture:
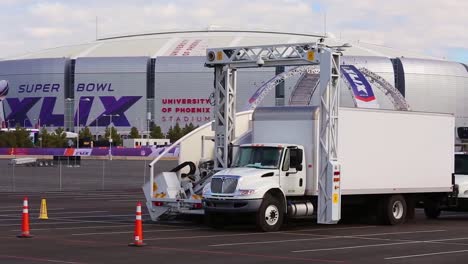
column 43, row 212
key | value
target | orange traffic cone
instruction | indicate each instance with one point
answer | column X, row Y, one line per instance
column 25, row 223
column 138, row 235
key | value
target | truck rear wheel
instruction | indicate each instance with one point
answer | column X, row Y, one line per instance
column 270, row 214
column 395, row 210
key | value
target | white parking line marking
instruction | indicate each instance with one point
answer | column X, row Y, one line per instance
column 273, row 241
column 449, row 239
column 67, row 221
column 83, row 212
column 5, row 207
column 11, row 219
column 95, row 216
column 33, row 209
column 208, row 236
column 331, row 228
column 78, row 227
column 360, row 236
column 68, row 218
column 327, row 237
column 354, row 247
column 54, row 213
column 399, row 233
column 429, row 254
column 37, row 259
column 146, row 231
column 70, row 221
column 364, row 236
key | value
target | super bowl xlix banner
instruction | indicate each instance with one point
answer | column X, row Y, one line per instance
column 35, row 92
column 104, row 90
column 111, row 91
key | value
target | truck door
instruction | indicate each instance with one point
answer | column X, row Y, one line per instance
column 292, row 174
column 461, row 174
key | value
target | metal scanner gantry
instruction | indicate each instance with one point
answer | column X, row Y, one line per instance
column 391, row 93
column 226, row 61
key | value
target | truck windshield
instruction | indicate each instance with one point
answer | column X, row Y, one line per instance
column 461, row 164
column 258, row 157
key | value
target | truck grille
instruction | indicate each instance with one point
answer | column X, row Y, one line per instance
column 223, row 185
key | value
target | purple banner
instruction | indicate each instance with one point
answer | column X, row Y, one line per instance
column 114, row 109
column 132, row 152
column 361, row 88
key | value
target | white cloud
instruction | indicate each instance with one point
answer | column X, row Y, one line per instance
column 417, row 24
column 47, row 32
column 50, row 12
column 430, row 26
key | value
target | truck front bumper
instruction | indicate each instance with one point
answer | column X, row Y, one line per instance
column 231, row 206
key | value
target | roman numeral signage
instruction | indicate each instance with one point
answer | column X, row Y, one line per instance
column 21, row 108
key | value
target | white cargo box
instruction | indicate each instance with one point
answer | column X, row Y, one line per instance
column 395, row 152
column 380, row 151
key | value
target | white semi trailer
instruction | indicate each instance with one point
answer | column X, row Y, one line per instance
column 389, row 160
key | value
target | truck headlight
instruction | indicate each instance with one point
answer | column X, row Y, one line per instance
column 206, row 189
column 246, row 192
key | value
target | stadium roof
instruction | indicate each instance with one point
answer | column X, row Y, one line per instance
column 194, row 43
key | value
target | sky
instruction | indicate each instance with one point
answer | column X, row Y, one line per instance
column 435, row 28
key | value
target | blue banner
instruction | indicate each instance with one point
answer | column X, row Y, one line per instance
column 361, row 88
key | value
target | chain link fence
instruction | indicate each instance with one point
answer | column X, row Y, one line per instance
column 88, row 174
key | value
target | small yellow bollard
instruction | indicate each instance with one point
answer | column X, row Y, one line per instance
column 43, row 211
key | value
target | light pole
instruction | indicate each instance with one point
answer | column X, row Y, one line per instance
column 86, row 99
column 110, row 134
column 148, row 119
column 96, row 132
column 150, row 124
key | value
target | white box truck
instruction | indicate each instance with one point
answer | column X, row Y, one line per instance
column 389, row 161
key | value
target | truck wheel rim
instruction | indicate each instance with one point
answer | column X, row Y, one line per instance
column 397, row 209
column 271, row 215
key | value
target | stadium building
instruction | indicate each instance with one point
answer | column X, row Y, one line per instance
column 138, row 79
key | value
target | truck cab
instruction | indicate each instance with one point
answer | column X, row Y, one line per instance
column 461, row 178
column 260, row 179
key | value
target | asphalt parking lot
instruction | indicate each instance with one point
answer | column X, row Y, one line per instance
column 91, row 175
column 96, row 227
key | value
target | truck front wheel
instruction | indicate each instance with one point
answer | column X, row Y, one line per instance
column 432, row 208
column 395, row 210
column 214, row 220
column 270, row 214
